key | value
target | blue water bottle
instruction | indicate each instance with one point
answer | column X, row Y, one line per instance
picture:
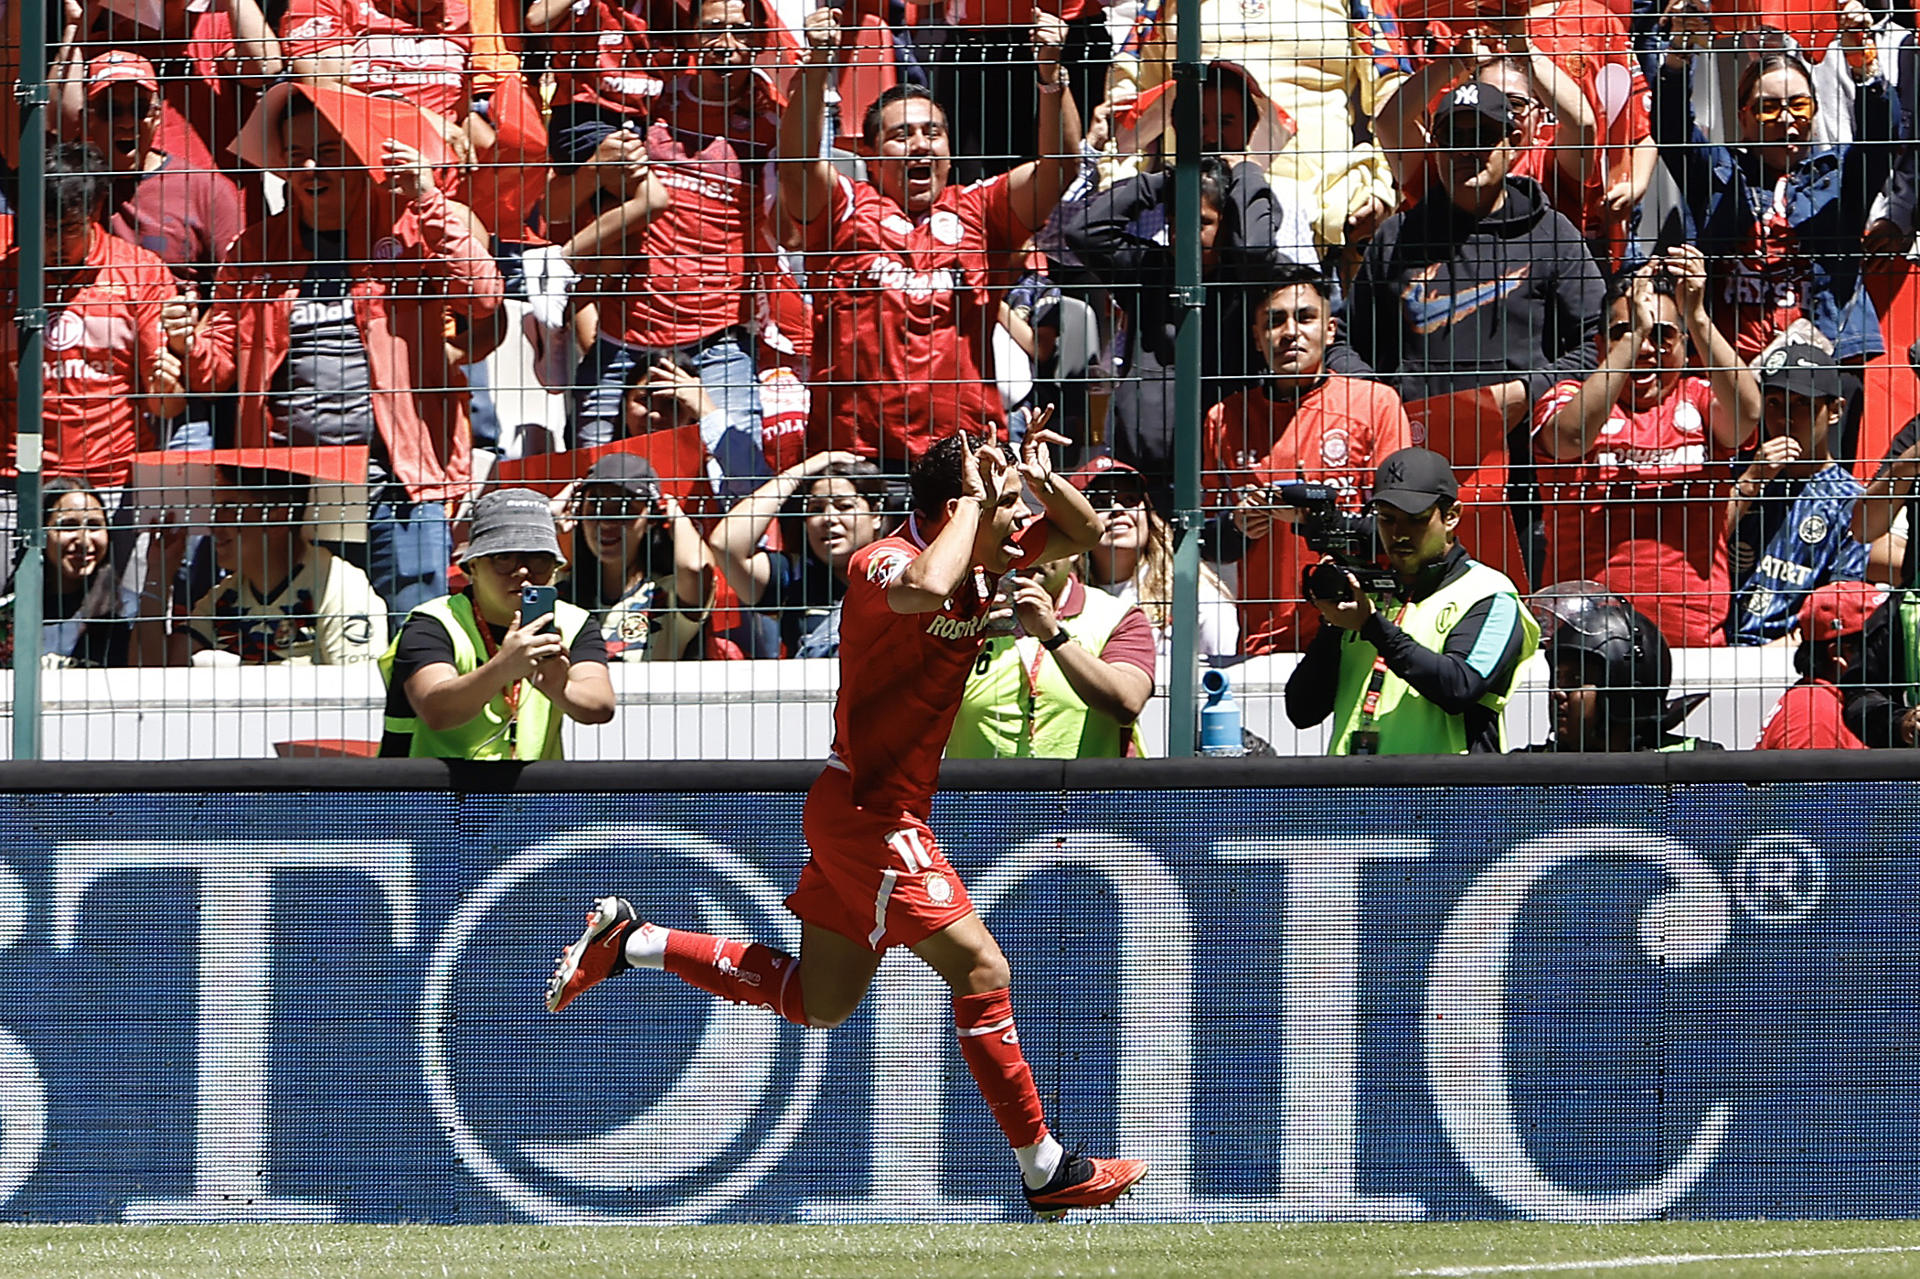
column 1220, row 717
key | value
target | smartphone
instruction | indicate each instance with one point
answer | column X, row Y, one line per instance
column 536, row 602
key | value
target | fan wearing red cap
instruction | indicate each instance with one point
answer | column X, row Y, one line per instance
column 184, row 212
column 1809, row 716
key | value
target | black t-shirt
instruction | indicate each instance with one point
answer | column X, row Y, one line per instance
column 322, row 393
column 424, row 642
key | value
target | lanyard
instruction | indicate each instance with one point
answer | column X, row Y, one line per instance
column 1370, row 703
column 512, row 727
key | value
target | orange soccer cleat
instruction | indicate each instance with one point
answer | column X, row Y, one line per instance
column 1080, row 1182
column 599, row 954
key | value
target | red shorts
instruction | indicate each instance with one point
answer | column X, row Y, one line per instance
column 877, row 877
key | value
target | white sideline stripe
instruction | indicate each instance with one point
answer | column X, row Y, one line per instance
column 1666, row 1259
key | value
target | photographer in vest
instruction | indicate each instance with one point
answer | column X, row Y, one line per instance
column 1424, row 669
column 468, row 679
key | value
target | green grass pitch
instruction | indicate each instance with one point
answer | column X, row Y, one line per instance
column 1709, row 1250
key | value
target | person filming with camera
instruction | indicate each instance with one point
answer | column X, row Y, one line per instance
column 1425, row 668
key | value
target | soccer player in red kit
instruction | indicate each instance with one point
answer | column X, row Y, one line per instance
column 912, row 624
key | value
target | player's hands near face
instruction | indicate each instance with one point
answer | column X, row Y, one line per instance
column 1049, row 44
column 823, row 35
column 526, row 647
column 1036, row 460
column 1035, row 608
column 974, row 478
column 1773, row 455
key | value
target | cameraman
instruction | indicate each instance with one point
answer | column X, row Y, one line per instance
column 1431, row 675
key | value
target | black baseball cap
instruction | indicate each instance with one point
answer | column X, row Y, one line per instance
column 1476, row 98
column 1414, row 479
column 629, row 472
column 1800, row 368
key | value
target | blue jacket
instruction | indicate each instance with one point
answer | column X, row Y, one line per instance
column 1830, row 194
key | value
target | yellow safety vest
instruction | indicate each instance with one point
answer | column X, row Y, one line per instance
column 534, row 732
column 1019, row 704
column 1408, row 723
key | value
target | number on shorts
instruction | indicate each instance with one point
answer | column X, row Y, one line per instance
column 910, row 848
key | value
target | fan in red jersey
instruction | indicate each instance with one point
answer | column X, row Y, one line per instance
column 913, row 621
column 907, row 271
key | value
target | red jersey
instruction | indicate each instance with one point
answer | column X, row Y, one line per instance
column 1590, row 43
column 902, row 674
column 1335, row 434
column 1807, row 718
column 1644, row 512
column 1759, row 292
column 605, row 58
column 694, row 271
column 904, row 313
column 390, row 55
column 99, row 347
column 204, row 91
column 188, row 216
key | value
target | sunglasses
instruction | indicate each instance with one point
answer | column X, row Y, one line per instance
column 1520, row 104
column 1773, row 110
column 1662, row 333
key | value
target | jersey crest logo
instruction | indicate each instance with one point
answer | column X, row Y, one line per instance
column 1813, row 530
column 67, row 331
column 885, row 566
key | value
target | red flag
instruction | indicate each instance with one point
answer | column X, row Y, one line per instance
column 364, row 124
column 678, row 455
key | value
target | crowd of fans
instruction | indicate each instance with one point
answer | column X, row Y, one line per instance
column 711, row 274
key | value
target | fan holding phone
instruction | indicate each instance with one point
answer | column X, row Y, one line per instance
column 490, row 673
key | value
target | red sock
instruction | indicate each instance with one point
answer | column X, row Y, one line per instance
column 991, row 1047
column 738, row 971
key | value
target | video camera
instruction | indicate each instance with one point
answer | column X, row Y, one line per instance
column 1351, row 540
